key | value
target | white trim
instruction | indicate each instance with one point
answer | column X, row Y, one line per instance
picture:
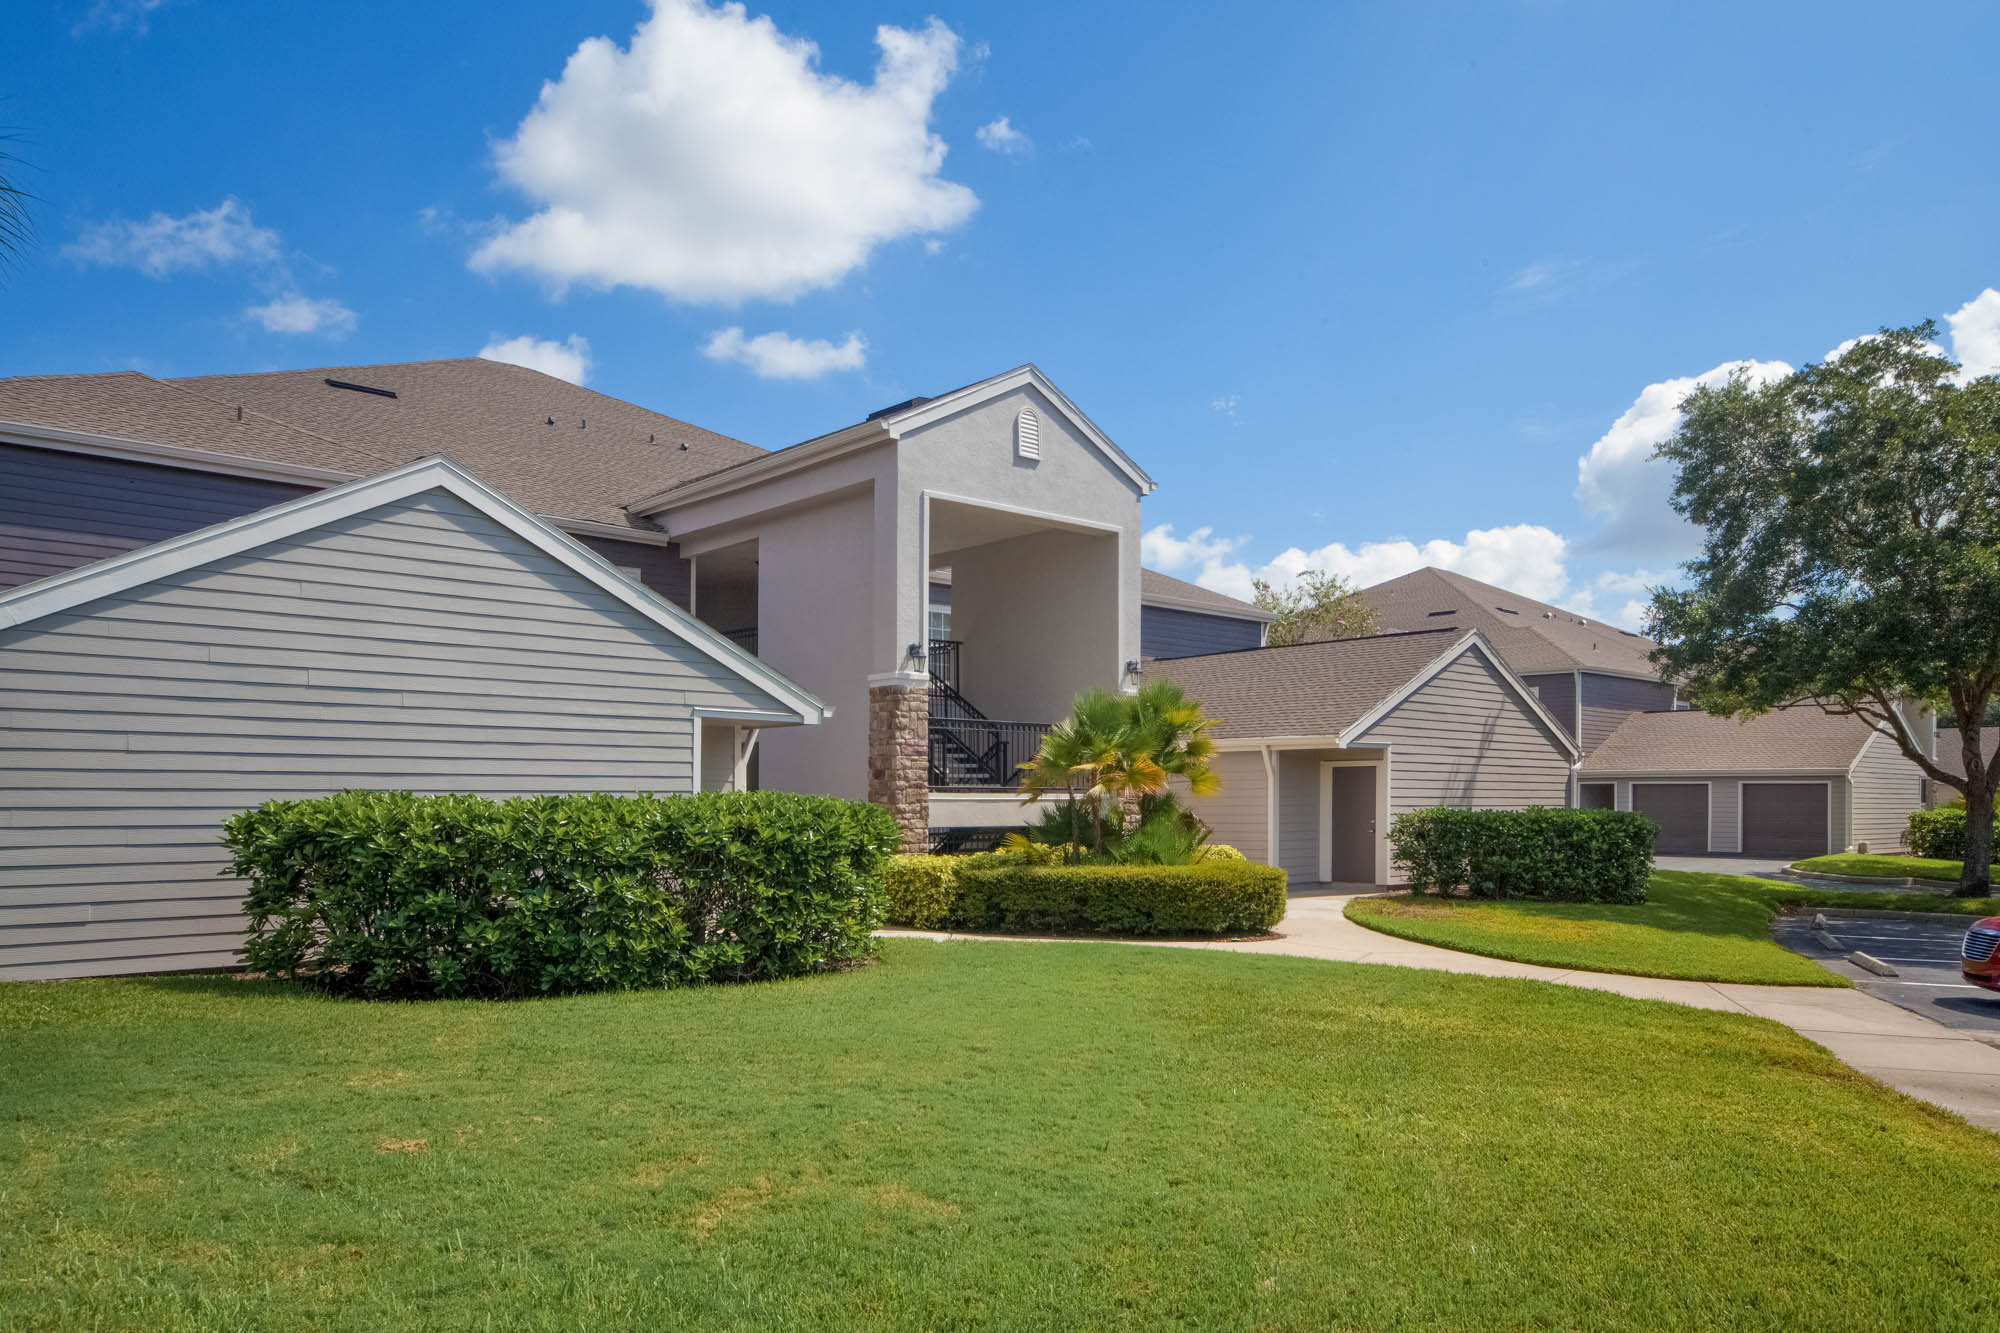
column 886, row 430
column 1025, row 376
column 1276, row 742
column 1379, row 804
column 1172, row 603
column 1271, row 856
column 1703, row 774
column 900, row 679
column 1707, row 810
column 1473, row 640
column 1794, row 782
column 258, row 469
column 778, row 463
column 60, row 592
column 1019, row 511
column 58, row 440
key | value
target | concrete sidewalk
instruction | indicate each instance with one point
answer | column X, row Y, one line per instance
column 1909, row 1053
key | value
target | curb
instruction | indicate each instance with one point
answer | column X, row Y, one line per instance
column 1907, row 882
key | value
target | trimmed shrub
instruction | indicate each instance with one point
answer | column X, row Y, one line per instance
column 1600, row 856
column 383, row 893
column 918, row 891
column 1218, row 851
column 1220, row 897
column 1939, row 834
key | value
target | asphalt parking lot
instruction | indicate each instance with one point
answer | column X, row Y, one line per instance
column 1922, row 949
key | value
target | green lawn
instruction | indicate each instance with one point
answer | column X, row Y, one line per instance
column 1694, row 927
column 1883, row 867
column 999, row 1135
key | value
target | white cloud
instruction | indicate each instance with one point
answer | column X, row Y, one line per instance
column 163, row 245
column 1975, row 334
column 1226, row 404
column 780, row 356
column 711, row 160
column 1524, row 557
column 1621, row 482
column 566, row 360
column 1621, row 597
column 1530, row 277
column 118, row 16
column 293, row 313
column 1002, row 137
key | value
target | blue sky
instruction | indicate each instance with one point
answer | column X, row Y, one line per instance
column 1360, row 285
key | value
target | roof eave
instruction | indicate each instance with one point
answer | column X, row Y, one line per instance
column 781, row 463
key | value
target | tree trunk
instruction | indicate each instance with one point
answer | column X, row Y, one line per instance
column 1975, row 880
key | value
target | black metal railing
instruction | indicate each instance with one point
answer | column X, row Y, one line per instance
column 746, row 639
column 944, row 661
column 981, row 753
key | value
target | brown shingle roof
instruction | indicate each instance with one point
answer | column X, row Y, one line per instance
column 1951, row 754
column 1529, row 635
column 1155, row 586
column 1785, row 740
column 132, row 406
column 493, row 419
column 1304, row 689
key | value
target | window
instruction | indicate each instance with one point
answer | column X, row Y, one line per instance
column 940, row 622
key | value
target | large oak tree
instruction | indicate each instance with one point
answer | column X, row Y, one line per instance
column 1852, row 555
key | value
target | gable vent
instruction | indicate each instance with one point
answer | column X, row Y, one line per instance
column 1028, row 434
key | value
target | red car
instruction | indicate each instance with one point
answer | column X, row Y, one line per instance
column 1980, row 954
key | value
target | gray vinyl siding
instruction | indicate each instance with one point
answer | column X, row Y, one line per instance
column 1166, row 631
column 1298, row 812
column 1608, row 700
column 1556, row 692
column 1235, row 814
column 1465, row 739
column 1886, row 788
column 60, row 510
column 418, row 645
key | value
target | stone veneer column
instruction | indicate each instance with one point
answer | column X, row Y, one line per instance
column 899, row 754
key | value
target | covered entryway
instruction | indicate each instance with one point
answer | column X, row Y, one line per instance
column 1786, row 819
column 1598, row 796
column 1351, row 822
column 1681, row 811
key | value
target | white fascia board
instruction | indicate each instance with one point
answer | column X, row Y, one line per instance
column 170, row 455
column 1246, row 612
column 1693, row 775
column 958, row 400
column 779, row 463
column 1473, row 641
column 61, row 592
column 58, row 440
column 1280, row 743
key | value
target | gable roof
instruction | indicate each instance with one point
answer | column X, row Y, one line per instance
column 494, row 419
column 884, row 427
column 175, row 425
column 1533, row 636
column 1786, row 740
column 1157, row 589
column 62, row 592
column 1331, row 690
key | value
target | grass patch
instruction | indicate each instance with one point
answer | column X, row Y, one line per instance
column 1692, row 927
column 997, row 1135
column 1883, row 867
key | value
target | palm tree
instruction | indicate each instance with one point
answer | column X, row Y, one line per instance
column 1123, row 748
column 15, row 226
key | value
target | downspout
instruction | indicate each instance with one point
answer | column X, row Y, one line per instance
column 1270, row 808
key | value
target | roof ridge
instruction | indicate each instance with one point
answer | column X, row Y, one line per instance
column 1321, row 643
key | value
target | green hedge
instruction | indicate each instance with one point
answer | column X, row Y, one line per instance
column 1008, row 892
column 1565, row 855
column 389, row 894
column 1938, row 834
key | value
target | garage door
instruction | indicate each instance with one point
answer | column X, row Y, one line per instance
column 1681, row 811
column 1785, row 819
